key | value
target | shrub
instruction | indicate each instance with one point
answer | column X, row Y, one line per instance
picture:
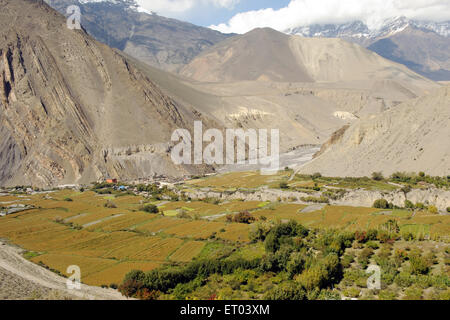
column 361, row 236
column 383, row 236
column 381, row 204
column 130, row 288
column 372, row 245
column 286, row 291
column 347, row 260
column 418, row 264
column 313, row 277
column 445, row 295
column 409, row 204
column 448, row 209
column 183, row 215
column 110, row 205
column 424, row 281
column 316, row 175
column 404, row 280
column 352, row 292
column 145, row 294
column 150, row 208
column 259, row 231
column 296, row 264
column 244, row 217
column 377, row 176
column 315, row 200
column 387, row 295
column 420, row 206
column 413, row 294
column 433, row 210
column 364, row 256
column 329, row 295
column 68, row 199
column 284, row 185
column 407, row 236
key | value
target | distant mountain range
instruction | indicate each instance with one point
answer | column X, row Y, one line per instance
column 359, row 32
column 422, row 46
column 170, row 44
column 158, row 41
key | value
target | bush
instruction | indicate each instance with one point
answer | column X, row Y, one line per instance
column 315, row 200
column 296, row 264
column 420, row 206
column 68, row 199
column 316, row 175
column 113, row 286
column 364, row 256
column 387, row 295
column 110, row 205
column 418, row 264
column 377, row 176
column 433, row 210
column 352, row 292
column 372, row 245
column 381, row 204
column 284, row 185
column 448, row 209
column 244, row 217
column 347, row 260
column 259, row 231
column 413, row 294
column 409, row 204
column 286, row 291
column 150, row 208
column 403, row 280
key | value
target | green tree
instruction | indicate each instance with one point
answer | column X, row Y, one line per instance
column 381, row 204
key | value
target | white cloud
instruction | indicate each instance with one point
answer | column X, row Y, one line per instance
column 306, row 12
column 169, row 7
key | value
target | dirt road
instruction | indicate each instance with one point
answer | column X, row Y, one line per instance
column 22, row 279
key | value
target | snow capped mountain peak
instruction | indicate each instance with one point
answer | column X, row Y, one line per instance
column 128, row 4
column 359, row 30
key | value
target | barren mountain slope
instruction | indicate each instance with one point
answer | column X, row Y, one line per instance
column 72, row 109
column 302, row 117
column 422, row 46
column 423, row 51
column 305, row 113
column 268, row 55
column 262, row 54
column 412, row 137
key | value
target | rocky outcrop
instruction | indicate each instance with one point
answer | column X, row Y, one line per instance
column 354, row 198
column 411, row 137
column 65, row 99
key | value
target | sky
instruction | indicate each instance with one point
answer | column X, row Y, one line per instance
column 240, row 16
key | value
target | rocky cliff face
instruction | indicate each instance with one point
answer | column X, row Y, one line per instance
column 68, row 103
column 161, row 42
column 411, row 137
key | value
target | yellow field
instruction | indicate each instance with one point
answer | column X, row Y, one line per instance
column 188, row 251
column 107, row 243
column 116, row 273
column 240, row 180
column 61, row 262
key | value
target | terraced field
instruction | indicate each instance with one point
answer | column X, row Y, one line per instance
column 72, row 228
